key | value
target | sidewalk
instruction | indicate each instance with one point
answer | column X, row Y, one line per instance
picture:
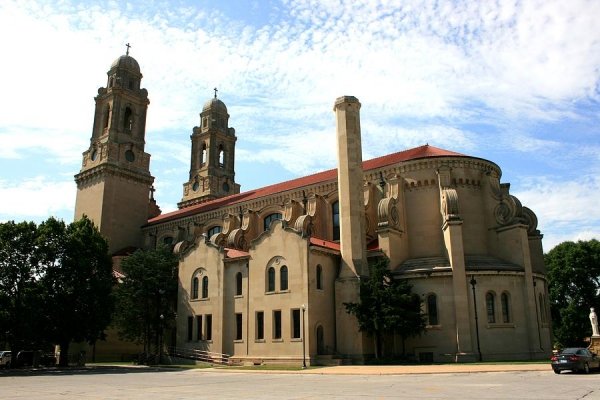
column 398, row 369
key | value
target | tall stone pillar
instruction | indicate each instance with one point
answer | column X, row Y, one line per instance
column 350, row 341
column 350, row 187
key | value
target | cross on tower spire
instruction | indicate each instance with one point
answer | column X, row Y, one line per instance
column 128, row 46
column 216, row 90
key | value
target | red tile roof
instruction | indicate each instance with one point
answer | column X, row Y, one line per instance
column 425, row 151
column 235, row 253
column 325, row 243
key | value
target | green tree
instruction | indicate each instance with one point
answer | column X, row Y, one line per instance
column 77, row 282
column 573, row 285
column 19, row 273
column 387, row 305
column 145, row 299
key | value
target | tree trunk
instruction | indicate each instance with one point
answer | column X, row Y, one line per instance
column 63, row 360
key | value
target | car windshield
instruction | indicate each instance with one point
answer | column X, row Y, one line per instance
column 569, row 351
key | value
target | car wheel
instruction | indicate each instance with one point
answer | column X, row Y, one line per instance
column 556, row 371
column 586, row 368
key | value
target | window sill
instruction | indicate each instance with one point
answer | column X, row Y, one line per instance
column 238, row 341
column 238, row 296
column 295, row 339
column 259, row 341
column 500, row 325
column 202, row 299
column 279, row 340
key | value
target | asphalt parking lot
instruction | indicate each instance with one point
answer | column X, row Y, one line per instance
column 325, row 383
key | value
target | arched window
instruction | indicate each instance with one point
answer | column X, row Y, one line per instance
column 432, row 311
column 505, row 302
column 490, row 300
column 205, row 287
column 335, row 213
column 203, row 154
column 271, row 279
column 194, row 288
column 167, row 240
column 214, row 230
column 238, row 284
column 221, row 156
column 283, row 278
column 269, row 219
column 128, row 120
column 319, row 276
column 106, row 116
column 542, row 308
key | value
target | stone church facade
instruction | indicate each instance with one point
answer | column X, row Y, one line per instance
column 263, row 274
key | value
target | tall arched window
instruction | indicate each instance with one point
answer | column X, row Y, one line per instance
column 283, row 278
column 269, row 219
column 205, row 287
column 432, row 311
column 128, row 120
column 203, row 154
column 271, row 279
column 106, row 116
column 194, row 288
column 238, row 284
column 335, row 213
column 319, row 276
column 505, row 302
column 542, row 308
column 490, row 307
column 221, row 156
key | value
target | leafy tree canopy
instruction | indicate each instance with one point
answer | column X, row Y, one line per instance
column 387, row 305
column 55, row 283
column 573, row 284
column 145, row 299
column 19, row 270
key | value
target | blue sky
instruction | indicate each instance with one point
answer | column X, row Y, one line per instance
column 514, row 82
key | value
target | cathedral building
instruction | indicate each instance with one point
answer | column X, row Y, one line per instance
column 264, row 273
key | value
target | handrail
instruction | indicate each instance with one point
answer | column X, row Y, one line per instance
column 199, row 355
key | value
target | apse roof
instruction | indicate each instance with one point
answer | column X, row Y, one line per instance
column 425, row 151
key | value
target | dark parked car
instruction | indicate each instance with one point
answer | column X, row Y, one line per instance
column 576, row 359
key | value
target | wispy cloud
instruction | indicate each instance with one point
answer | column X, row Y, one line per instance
column 495, row 78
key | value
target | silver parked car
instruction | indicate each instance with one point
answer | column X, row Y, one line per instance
column 5, row 357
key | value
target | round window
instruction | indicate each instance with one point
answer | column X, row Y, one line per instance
column 94, row 155
column 129, row 156
column 195, row 186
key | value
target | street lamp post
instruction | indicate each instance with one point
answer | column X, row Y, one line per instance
column 303, row 337
column 473, row 282
column 160, row 340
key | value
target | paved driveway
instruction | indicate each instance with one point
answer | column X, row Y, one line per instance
column 147, row 383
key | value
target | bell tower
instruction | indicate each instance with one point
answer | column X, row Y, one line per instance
column 212, row 172
column 113, row 186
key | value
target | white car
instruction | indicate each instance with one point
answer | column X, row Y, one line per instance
column 5, row 357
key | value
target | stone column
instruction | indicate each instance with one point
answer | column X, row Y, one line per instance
column 350, row 187
column 349, row 340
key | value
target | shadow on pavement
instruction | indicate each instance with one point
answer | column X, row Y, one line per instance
column 89, row 370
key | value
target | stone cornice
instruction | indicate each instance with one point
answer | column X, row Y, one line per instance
column 101, row 170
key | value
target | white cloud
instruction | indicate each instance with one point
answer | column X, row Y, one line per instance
column 566, row 210
column 425, row 72
column 37, row 198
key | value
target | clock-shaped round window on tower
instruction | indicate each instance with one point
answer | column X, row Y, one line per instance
column 129, row 156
